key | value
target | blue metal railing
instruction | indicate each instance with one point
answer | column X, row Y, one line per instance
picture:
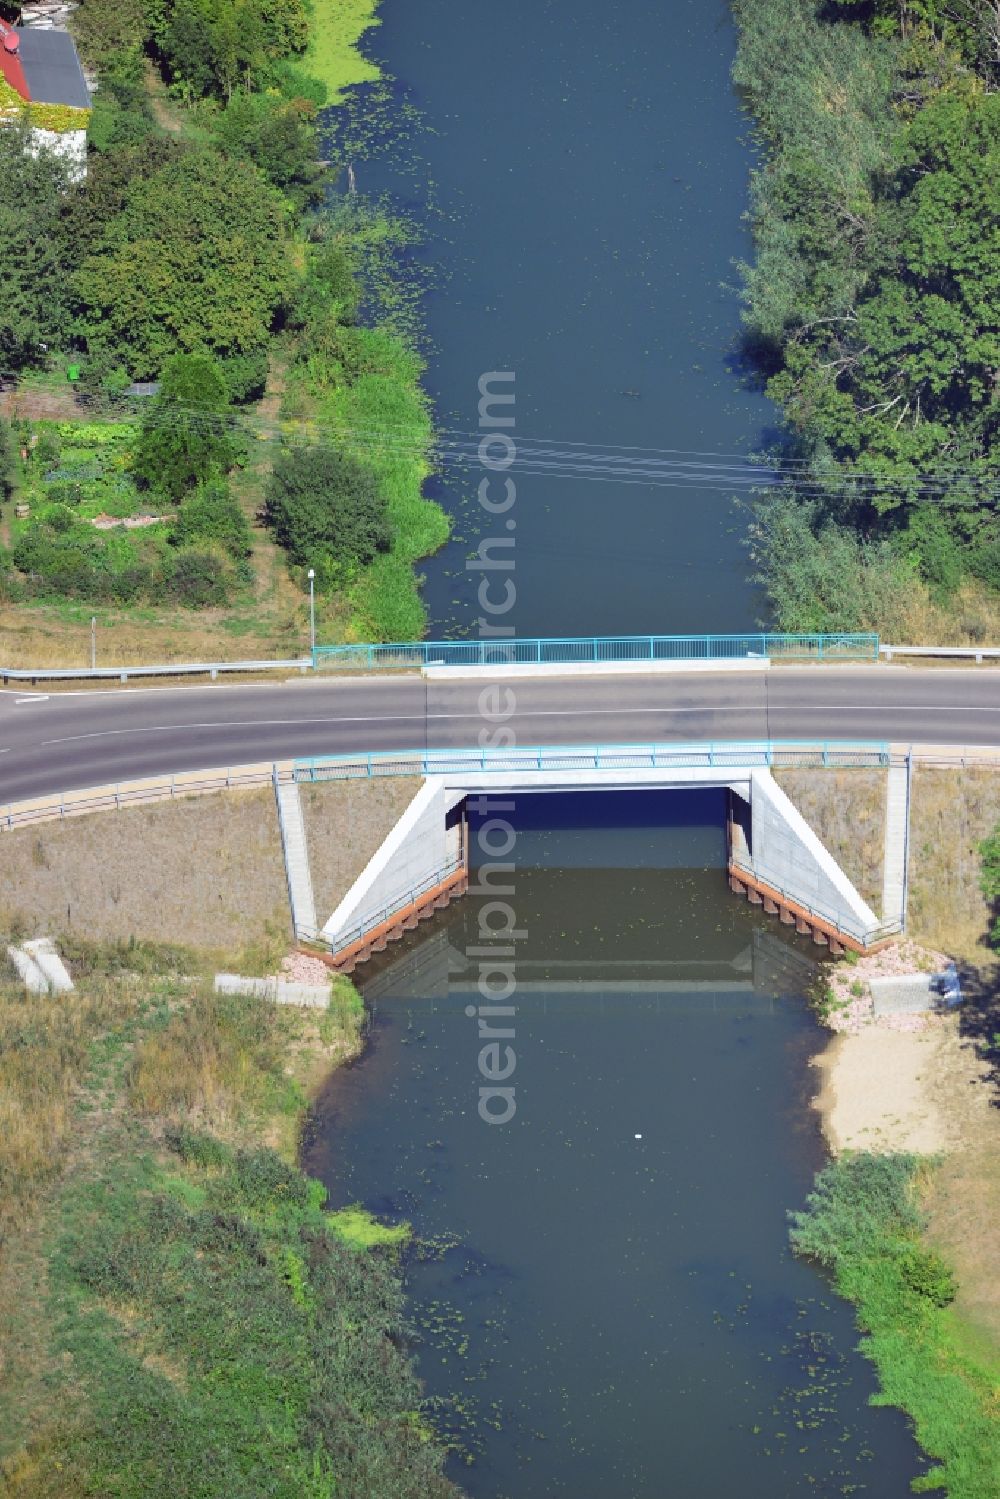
column 378, row 915
column 593, row 649
column 732, row 755
column 843, row 921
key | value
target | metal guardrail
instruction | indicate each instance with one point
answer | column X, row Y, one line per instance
column 124, row 673
column 421, row 762
column 375, row 918
column 571, row 651
column 135, row 793
column 968, row 653
column 865, row 935
column 597, row 649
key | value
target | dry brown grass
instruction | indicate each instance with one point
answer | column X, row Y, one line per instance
column 240, row 1067
column 45, row 1050
column 59, row 635
column 972, row 617
column 963, row 1196
column 951, row 812
column 345, row 823
column 206, row 872
column 846, row 810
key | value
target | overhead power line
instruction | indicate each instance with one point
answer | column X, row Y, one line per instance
column 452, row 449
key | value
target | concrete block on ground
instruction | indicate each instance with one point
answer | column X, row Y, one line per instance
column 279, row 991
column 903, row 994
column 28, row 971
column 43, row 952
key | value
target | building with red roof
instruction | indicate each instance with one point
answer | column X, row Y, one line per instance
column 40, row 72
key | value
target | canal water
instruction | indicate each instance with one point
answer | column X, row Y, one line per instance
column 602, row 1292
column 602, row 1289
column 580, row 171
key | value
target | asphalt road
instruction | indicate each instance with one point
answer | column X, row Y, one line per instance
column 69, row 740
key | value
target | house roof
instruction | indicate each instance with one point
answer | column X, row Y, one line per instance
column 52, row 68
column 10, row 62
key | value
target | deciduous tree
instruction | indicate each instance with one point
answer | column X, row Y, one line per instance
column 196, row 260
column 186, row 437
column 326, row 509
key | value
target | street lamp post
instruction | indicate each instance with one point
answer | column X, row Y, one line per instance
column 312, row 610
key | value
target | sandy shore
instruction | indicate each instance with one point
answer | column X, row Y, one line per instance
column 925, row 1091
column 880, row 1091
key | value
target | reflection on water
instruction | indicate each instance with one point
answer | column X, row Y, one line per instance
column 605, row 1298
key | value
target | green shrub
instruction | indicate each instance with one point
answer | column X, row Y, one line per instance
column 989, row 880
column 984, row 563
column 197, row 579
column 246, row 374
column 185, row 439
column 8, row 459
column 925, row 1272
column 279, row 136
column 213, row 513
column 195, row 1146
column 853, row 1203
column 326, row 509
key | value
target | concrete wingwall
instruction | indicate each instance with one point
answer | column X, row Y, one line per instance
column 781, row 850
column 417, row 850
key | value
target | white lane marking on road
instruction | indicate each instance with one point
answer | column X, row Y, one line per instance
column 288, row 723
column 37, row 698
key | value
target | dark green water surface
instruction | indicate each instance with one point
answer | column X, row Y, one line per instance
column 606, row 1315
column 582, row 175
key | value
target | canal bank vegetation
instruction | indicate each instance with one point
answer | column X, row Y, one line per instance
column 864, row 1224
column 873, row 310
column 179, row 1313
column 906, row 1218
column 209, row 251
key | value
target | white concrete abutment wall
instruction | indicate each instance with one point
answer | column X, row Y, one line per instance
column 424, row 848
column 775, row 857
column 778, row 859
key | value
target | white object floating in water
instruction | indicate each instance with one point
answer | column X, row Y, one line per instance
column 638, row 1137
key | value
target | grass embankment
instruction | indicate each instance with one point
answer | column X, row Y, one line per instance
column 384, row 397
column 846, row 810
column 209, row 866
column 952, row 811
column 179, row 1315
column 888, row 1223
column 863, row 1224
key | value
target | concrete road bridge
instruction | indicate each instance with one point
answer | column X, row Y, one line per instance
column 57, row 741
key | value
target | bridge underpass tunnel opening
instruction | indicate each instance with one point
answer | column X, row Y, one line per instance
column 607, row 893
